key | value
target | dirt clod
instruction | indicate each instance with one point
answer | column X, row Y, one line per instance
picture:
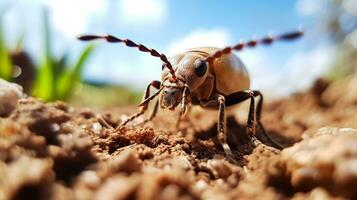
column 328, row 159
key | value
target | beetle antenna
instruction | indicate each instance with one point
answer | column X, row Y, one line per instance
column 130, row 43
column 254, row 42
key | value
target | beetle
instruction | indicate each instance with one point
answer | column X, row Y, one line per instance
column 210, row 77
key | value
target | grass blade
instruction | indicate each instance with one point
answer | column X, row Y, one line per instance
column 20, row 41
column 73, row 75
column 44, row 85
column 5, row 60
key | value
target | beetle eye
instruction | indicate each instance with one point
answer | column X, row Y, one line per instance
column 201, row 68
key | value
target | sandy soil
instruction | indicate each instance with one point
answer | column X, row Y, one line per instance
column 54, row 151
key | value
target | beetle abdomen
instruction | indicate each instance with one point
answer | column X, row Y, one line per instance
column 230, row 73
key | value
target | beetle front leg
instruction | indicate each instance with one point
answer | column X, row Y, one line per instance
column 184, row 106
column 145, row 103
column 184, row 117
column 221, row 126
column 153, row 114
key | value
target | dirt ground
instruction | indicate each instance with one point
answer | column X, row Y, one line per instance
column 55, row 151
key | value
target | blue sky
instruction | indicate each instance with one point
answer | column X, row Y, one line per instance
column 172, row 26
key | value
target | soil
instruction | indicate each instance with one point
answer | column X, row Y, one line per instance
column 55, row 151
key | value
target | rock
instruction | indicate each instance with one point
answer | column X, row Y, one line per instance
column 327, row 159
column 10, row 93
column 97, row 128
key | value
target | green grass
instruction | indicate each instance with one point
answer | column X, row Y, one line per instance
column 6, row 67
column 104, row 96
column 56, row 78
column 344, row 64
column 60, row 79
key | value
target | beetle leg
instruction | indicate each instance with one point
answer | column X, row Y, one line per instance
column 254, row 118
column 251, row 119
column 103, row 122
column 184, row 100
column 258, row 115
column 145, row 103
column 221, row 126
column 181, row 117
column 153, row 114
column 254, row 114
column 184, row 106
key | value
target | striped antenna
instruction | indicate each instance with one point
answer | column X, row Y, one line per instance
column 253, row 43
column 130, row 43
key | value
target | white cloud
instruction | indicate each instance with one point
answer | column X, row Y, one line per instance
column 350, row 6
column 309, row 8
column 150, row 69
column 304, row 67
column 352, row 39
column 71, row 17
column 218, row 37
column 297, row 74
column 136, row 71
column 260, row 68
column 141, row 11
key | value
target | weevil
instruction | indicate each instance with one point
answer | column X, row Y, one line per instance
column 210, row 77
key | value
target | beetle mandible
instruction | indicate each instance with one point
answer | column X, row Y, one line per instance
column 210, row 77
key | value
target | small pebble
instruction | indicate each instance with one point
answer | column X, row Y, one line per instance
column 97, row 128
column 10, row 93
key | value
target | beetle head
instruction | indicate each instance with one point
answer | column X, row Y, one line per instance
column 190, row 71
column 171, row 97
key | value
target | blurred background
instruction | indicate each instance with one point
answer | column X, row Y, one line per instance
column 39, row 49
